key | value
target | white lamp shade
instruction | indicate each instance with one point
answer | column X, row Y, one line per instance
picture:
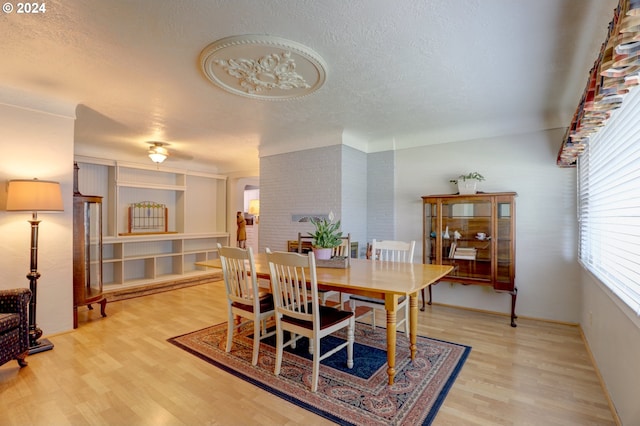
column 158, row 153
column 34, row 195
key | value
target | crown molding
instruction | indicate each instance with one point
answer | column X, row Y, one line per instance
column 37, row 103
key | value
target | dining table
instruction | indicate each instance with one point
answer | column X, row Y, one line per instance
column 388, row 281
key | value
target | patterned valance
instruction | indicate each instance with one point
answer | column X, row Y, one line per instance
column 614, row 73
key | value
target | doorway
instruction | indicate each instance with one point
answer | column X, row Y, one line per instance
column 252, row 215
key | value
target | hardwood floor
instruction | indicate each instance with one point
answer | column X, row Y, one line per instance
column 120, row 370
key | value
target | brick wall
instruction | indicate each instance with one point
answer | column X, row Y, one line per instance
column 354, row 196
column 301, row 182
column 380, row 196
column 357, row 187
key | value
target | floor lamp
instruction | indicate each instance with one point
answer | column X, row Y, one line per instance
column 34, row 196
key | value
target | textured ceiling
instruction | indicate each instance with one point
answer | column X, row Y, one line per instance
column 399, row 73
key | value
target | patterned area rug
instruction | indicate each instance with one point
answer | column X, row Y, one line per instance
column 355, row 396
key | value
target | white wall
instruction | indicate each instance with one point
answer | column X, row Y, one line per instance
column 613, row 333
column 36, row 139
column 547, row 273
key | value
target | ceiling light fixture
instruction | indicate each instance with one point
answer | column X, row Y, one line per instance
column 157, row 152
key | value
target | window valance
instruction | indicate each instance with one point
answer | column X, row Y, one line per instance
column 614, row 73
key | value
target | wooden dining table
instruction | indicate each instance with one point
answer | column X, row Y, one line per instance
column 388, row 281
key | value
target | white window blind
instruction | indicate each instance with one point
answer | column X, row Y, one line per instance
column 609, row 203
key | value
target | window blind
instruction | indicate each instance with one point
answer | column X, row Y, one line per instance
column 609, row 203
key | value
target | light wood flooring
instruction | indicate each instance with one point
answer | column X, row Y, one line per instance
column 120, row 370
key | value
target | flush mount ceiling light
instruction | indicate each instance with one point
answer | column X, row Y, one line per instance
column 263, row 67
column 157, row 152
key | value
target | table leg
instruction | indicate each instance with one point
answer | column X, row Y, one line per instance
column 413, row 324
column 391, row 305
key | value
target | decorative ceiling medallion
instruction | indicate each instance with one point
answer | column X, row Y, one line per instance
column 263, row 67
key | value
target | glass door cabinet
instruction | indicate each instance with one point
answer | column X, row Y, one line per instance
column 476, row 235
column 87, row 254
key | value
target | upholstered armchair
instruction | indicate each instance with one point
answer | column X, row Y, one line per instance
column 14, row 325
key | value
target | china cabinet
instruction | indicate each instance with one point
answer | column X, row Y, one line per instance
column 87, row 253
column 476, row 235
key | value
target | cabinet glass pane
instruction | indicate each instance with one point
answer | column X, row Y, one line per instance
column 504, row 260
column 429, row 239
column 466, row 239
column 94, row 265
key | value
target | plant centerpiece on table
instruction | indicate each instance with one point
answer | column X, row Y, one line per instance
column 326, row 236
column 467, row 184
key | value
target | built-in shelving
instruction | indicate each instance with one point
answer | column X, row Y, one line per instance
column 196, row 205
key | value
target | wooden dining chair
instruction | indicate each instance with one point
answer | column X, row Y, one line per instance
column 244, row 297
column 301, row 239
column 298, row 311
column 386, row 251
column 343, row 250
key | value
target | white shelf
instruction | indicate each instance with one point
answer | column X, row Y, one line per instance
column 197, row 209
column 151, row 186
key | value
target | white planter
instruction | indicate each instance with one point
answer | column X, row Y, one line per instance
column 466, row 187
column 322, row 253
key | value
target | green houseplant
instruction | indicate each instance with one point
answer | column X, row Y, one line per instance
column 467, row 184
column 327, row 235
column 472, row 175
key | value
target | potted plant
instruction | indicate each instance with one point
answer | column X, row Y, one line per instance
column 326, row 236
column 467, row 184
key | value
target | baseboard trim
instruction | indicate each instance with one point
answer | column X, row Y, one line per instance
column 506, row 315
column 148, row 289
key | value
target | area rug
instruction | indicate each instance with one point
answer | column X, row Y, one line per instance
column 356, row 396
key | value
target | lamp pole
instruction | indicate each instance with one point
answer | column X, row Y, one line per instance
column 35, row 332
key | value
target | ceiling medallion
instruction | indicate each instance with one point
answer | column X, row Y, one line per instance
column 263, row 67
